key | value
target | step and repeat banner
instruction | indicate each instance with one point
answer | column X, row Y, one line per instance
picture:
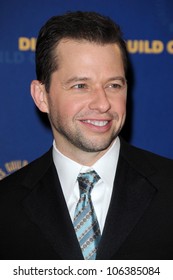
column 148, row 29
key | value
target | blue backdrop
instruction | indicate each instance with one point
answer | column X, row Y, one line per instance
column 148, row 29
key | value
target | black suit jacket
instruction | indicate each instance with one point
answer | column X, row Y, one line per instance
column 35, row 223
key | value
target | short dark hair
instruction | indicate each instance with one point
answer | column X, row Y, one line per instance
column 89, row 26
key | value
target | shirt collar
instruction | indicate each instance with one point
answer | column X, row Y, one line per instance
column 68, row 169
column 107, row 164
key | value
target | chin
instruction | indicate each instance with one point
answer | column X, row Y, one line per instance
column 95, row 147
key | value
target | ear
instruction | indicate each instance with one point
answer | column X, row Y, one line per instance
column 39, row 96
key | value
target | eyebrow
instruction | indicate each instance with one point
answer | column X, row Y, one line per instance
column 76, row 79
column 119, row 78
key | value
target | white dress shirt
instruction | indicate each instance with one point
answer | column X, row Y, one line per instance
column 68, row 171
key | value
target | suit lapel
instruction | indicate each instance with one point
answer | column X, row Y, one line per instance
column 131, row 196
column 46, row 207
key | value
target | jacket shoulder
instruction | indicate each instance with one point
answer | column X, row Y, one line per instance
column 145, row 160
column 29, row 173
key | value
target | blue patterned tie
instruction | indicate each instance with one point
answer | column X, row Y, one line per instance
column 85, row 220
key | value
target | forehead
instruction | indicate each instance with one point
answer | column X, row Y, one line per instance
column 66, row 43
column 69, row 50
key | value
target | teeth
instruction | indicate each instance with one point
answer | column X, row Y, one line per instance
column 97, row 123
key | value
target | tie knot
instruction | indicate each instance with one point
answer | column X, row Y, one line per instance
column 87, row 181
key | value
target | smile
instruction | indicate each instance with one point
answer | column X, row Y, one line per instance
column 96, row 123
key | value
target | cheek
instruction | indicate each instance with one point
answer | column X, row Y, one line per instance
column 119, row 105
column 68, row 107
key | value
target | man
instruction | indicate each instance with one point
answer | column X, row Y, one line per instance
column 81, row 66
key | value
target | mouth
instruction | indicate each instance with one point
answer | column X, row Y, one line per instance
column 96, row 122
column 98, row 126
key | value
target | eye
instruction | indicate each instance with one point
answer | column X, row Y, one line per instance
column 79, row 86
column 114, row 86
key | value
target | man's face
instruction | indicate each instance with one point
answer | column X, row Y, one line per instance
column 86, row 102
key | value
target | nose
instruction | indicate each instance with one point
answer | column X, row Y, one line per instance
column 100, row 101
